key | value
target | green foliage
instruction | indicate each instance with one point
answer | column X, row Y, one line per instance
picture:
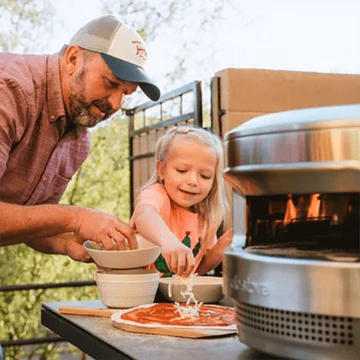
column 19, row 310
column 103, row 183
column 25, row 24
column 103, row 180
column 186, row 22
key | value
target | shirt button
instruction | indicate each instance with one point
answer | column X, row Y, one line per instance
column 52, row 117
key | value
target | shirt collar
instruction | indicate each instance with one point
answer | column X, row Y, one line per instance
column 54, row 94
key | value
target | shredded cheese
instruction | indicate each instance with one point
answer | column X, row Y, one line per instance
column 186, row 311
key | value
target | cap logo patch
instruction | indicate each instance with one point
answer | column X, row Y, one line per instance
column 140, row 50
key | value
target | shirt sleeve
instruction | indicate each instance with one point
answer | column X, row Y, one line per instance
column 156, row 196
column 13, row 109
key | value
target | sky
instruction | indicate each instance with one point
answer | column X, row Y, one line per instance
column 301, row 35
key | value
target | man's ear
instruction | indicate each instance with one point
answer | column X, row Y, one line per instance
column 72, row 57
column 160, row 169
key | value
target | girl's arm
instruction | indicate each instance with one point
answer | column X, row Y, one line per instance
column 151, row 226
column 214, row 256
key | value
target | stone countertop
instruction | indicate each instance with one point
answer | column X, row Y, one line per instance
column 138, row 345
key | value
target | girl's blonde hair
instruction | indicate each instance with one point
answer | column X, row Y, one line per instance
column 214, row 209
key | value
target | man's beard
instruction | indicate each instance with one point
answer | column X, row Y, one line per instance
column 79, row 108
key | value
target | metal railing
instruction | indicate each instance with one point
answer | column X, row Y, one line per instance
column 194, row 115
column 164, row 120
column 27, row 287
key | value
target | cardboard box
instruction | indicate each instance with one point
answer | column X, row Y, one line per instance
column 245, row 93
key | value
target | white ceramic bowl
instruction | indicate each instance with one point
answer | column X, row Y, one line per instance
column 207, row 289
column 123, row 259
column 127, row 288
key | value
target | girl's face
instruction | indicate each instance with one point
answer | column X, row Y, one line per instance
column 188, row 172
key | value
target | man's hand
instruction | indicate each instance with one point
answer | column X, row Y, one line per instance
column 104, row 228
column 75, row 250
column 63, row 244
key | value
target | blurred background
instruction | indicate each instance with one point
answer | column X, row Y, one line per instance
column 187, row 40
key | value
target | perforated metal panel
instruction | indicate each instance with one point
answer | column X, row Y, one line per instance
column 299, row 326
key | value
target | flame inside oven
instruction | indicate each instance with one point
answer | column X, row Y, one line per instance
column 316, row 222
column 309, row 210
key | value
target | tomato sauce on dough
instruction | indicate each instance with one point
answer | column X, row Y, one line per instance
column 166, row 314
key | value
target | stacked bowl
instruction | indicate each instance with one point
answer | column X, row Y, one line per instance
column 127, row 288
column 122, row 281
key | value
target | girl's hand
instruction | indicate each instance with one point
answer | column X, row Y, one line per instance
column 215, row 255
column 225, row 239
column 179, row 258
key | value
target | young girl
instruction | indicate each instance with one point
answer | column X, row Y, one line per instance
column 183, row 204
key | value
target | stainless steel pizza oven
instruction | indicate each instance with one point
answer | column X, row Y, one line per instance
column 293, row 271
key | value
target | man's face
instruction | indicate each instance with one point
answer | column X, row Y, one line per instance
column 95, row 93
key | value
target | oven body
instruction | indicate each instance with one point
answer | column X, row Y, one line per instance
column 293, row 270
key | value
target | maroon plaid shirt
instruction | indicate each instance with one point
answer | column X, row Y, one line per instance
column 37, row 159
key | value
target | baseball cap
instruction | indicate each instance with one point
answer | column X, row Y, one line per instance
column 122, row 49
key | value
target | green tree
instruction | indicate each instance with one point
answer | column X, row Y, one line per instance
column 22, row 22
column 188, row 23
column 103, row 180
column 103, row 183
column 25, row 24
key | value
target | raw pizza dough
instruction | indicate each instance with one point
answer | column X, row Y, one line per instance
column 164, row 315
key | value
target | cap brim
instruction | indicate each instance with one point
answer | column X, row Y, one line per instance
column 127, row 71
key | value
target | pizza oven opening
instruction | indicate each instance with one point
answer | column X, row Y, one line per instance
column 313, row 226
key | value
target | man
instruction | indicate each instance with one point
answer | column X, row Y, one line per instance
column 47, row 104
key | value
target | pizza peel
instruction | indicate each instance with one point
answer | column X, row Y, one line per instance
column 74, row 310
column 186, row 333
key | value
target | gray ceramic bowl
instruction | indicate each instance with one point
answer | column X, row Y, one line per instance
column 127, row 288
column 207, row 289
column 123, row 259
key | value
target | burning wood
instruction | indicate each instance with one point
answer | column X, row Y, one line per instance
column 314, row 206
column 290, row 212
column 301, row 210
